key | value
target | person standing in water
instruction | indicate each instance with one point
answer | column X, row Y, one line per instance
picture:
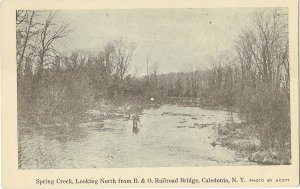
column 136, row 123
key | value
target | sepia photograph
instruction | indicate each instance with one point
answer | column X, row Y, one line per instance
column 134, row 88
column 149, row 94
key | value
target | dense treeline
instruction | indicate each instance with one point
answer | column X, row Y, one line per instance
column 252, row 79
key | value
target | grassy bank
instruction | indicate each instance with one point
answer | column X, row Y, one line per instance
column 242, row 138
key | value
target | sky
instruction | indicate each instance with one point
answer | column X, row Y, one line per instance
column 175, row 38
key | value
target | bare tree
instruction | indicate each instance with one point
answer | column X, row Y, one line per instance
column 21, row 16
column 25, row 24
column 260, row 47
column 147, row 64
column 123, row 54
column 154, row 68
column 49, row 33
column 109, row 64
column 193, row 78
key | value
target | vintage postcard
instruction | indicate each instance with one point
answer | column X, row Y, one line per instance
column 149, row 93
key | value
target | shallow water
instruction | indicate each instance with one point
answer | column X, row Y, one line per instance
column 170, row 136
